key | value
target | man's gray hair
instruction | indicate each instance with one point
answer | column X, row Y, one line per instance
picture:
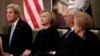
column 15, row 7
column 73, row 11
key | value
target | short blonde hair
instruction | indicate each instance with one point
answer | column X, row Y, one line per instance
column 50, row 14
column 84, row 20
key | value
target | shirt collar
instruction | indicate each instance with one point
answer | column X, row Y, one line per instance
column 72, row 29
column 15, row 23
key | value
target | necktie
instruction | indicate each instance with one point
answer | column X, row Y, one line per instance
column 69, row 31
column 11, row 34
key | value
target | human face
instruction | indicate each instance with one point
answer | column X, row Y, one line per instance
column 11, row 16
column 77, row 28
column 44, row 19
column 68, row 20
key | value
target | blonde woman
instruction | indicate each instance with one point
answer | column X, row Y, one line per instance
column 80, row 41
column 47, row 38
column 83, row 22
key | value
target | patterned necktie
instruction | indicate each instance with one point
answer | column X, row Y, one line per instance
column 11, row 34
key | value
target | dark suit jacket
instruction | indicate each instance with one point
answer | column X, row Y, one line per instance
column 73, row 45
column 46, row 40
column 90, row 45
column 67, row 46
column 21, row 39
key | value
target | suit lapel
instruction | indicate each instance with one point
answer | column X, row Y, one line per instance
column 64, row 36
column 16, row 28
column 18, row 25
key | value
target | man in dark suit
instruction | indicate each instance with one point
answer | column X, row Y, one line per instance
column 78, row 43
column 67, row 44
column 19, row 33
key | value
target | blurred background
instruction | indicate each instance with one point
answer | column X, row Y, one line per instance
column 48, row 4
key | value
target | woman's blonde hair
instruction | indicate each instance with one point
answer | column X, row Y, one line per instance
column 84, row 20
column 50, row 14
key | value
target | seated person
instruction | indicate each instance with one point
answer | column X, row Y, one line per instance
column 47, row 38
column 81, row 41
column 19, row 36
column 89, row 44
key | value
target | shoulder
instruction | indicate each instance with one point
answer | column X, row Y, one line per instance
column 21, row 23
column 23, row 26
column 51, row 29
column 91, row 35
column 73, row 35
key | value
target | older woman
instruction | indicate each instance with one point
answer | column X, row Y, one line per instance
column 89, row 44
column 81, row 41
column 47, row 38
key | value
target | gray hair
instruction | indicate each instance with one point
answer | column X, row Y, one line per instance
column 15, row 7
column 74, row 11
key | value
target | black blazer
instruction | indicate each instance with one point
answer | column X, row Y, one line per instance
column 21, row 39
column 46, row 40
column 68, row 46
column 90, row 45
column 73, row 45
